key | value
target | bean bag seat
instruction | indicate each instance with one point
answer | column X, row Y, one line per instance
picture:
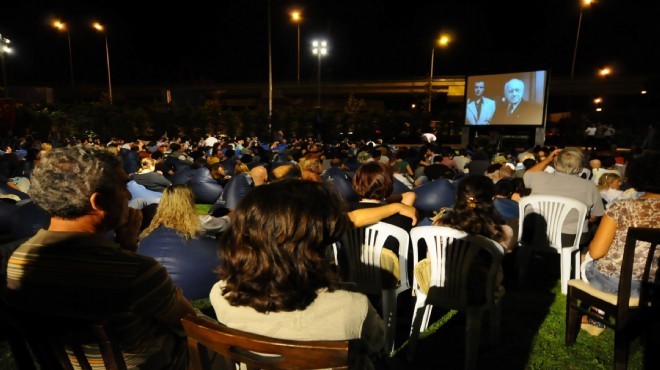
column 342, row 184
column 204, row 186
column 434, row 195
column 182, row 176
column 7, row 211
column 6, row 189
column 28, row 219
column 507, row 208
column 237, row 187
column 189, row 262
column 140, row 192
column 399, row 187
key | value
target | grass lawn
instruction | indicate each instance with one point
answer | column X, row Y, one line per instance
column 532, row 337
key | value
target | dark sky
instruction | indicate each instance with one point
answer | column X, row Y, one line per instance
column 225, row 41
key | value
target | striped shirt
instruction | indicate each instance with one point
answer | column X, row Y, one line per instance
column 84, row 275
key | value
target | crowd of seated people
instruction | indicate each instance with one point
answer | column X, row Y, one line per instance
column 265, row 194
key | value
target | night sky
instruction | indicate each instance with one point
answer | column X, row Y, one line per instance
column 216, row 42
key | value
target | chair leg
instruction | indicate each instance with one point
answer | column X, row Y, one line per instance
column 572, row 319
column 577, row 272
column 621, row 347
column 472, row 337
column 565, row 270
column 494, row 322
column 418, row 317
column 389, row 314
column 427, row 317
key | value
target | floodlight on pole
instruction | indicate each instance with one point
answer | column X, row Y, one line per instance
column 99, row 27
column 61, row 26
column 584, row 4
column 296, row 17
column 320, row 49
column 4, row 49
column 442, row 42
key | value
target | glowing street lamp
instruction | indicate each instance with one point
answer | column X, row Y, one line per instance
column 598, row 100
column 296, row 17
column 62, row 27
column 442, row 42
column 99, row 27
column 4, row 49
column 320, row 49
column 584, row 4
column 606, row 71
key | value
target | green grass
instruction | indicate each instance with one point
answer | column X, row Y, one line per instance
column 203, row 209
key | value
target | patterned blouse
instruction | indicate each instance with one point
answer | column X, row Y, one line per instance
column 630, row 213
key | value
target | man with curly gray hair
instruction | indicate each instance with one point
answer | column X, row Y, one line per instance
column 74, row 269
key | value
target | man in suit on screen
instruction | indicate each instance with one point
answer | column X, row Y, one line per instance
column 480, row 109
column 513, row 109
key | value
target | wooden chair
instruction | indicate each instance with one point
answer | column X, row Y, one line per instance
column 257, row 351
column 49, row 339
column 630, row 315
column 451, row 255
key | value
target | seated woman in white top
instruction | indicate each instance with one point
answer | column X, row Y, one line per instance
column 274, row 279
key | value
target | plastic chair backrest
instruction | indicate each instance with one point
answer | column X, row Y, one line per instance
column 451, row 253
column 257, row 351
column 554, row 209
column 363, row 247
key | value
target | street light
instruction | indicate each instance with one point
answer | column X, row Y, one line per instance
column 62, row 27
column 606, row 71
column 99, row 27
column 442, row 41
column 584, row 4
column 320, row 49
column 296, row 17
column 4, row 49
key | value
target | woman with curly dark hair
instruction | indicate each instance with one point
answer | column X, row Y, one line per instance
column 274, row 279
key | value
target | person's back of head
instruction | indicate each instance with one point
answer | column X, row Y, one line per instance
column 529, row 163
column 276, row 237
column 286, row 171
column 176, row 210
column 64, row 180
column 373, row 180
column 570, row 161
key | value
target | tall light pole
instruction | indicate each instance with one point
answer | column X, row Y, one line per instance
column 99, row 27
column 584, row 4
column 442, row 41
column 4, row 49
column 62, row 27
column 296, row 17
column 320, row 49
column 270, row 73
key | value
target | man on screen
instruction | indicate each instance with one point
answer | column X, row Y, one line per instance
column 515, row 110
column 479, row 109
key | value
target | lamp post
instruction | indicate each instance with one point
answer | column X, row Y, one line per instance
column 99, row 27
column 4, row 49
column 443, row 41
column 584, row 4
column 320, row 49
column 62, row 27
column 296, row 17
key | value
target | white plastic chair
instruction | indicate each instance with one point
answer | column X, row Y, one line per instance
column 554, row 210
column 362, row 248
column 451, row 252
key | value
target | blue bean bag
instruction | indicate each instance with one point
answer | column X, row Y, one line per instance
column 506, row 207
column 182, row 176
column 28, row 219
column 189, row 262
column 139, row 191
column 237, row 187
column 7, row 212
column 339, row 181
column 434, row 195
column 204, row 186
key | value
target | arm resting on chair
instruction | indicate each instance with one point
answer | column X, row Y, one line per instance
column 368, row 216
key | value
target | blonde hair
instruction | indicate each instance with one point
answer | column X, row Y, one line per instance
column 147, row 164
column 570, row 161
column 606, row 180
column 177, row 211
column 241, row 168
column 306, row 164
